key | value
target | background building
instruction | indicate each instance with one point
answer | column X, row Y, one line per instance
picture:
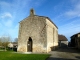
column 63, row 41
column 75, row 40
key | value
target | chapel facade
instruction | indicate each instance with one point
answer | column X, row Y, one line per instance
column 37, row 34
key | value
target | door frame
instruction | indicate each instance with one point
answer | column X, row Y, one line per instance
column 29, row 45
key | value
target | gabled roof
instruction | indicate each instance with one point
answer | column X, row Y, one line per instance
column 75, row 34
column 48, row 19
column 62, row 38
column 32, row 14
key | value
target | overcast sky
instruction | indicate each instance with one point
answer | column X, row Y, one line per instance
column 64, row 13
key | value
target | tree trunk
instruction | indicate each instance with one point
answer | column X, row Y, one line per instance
column 5, row 48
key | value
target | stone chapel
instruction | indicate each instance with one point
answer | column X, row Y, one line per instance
column 37, row 34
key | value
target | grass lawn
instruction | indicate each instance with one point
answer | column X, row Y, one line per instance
column 5, row 55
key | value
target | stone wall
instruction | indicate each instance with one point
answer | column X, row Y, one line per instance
column 43, row 34
column 52, row 36
column 34, row 27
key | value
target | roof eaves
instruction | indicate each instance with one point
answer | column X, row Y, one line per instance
column 48, row 19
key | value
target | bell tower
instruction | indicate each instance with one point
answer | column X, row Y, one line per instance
column 32, row 12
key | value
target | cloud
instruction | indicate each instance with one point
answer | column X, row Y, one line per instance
column 70, row 28
column 11, row 31
column 69, row 14
column 6, row 19
column 8, row 23
column 0, row 25
column 11, row 12
column 5, row 6
column 4, row 3
column 14, row 31
column 6, row 15
column 38, row 2
column 79, row 15
column 69, row 21
column 75, row 12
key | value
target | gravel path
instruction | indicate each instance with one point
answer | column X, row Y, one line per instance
column 65, row 54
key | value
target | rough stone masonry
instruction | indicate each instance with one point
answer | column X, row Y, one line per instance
column 37, row 34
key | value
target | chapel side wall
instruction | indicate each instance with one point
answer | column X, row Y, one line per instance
column 34, row 27
column 55, row 39
column 52, row 36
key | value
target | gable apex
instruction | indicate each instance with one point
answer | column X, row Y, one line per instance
column 32, row 12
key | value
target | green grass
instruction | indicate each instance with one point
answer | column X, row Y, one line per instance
column 5, row 55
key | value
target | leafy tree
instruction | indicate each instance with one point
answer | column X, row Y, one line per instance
column 4, row 41
column 0, row 42
column 16, row 40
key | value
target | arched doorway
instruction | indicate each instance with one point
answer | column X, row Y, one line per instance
column 29, row 45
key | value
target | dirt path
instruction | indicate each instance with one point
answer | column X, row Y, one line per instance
column 65, row 54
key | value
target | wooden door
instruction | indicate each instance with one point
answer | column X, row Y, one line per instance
column 29, row 45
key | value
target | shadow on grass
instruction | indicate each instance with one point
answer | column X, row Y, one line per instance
column 69, row 50
column 78, row 57
column 54, row 58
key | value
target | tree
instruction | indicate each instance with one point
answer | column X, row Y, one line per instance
column 16, row 40
column 0, row 42
column 4, row 40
